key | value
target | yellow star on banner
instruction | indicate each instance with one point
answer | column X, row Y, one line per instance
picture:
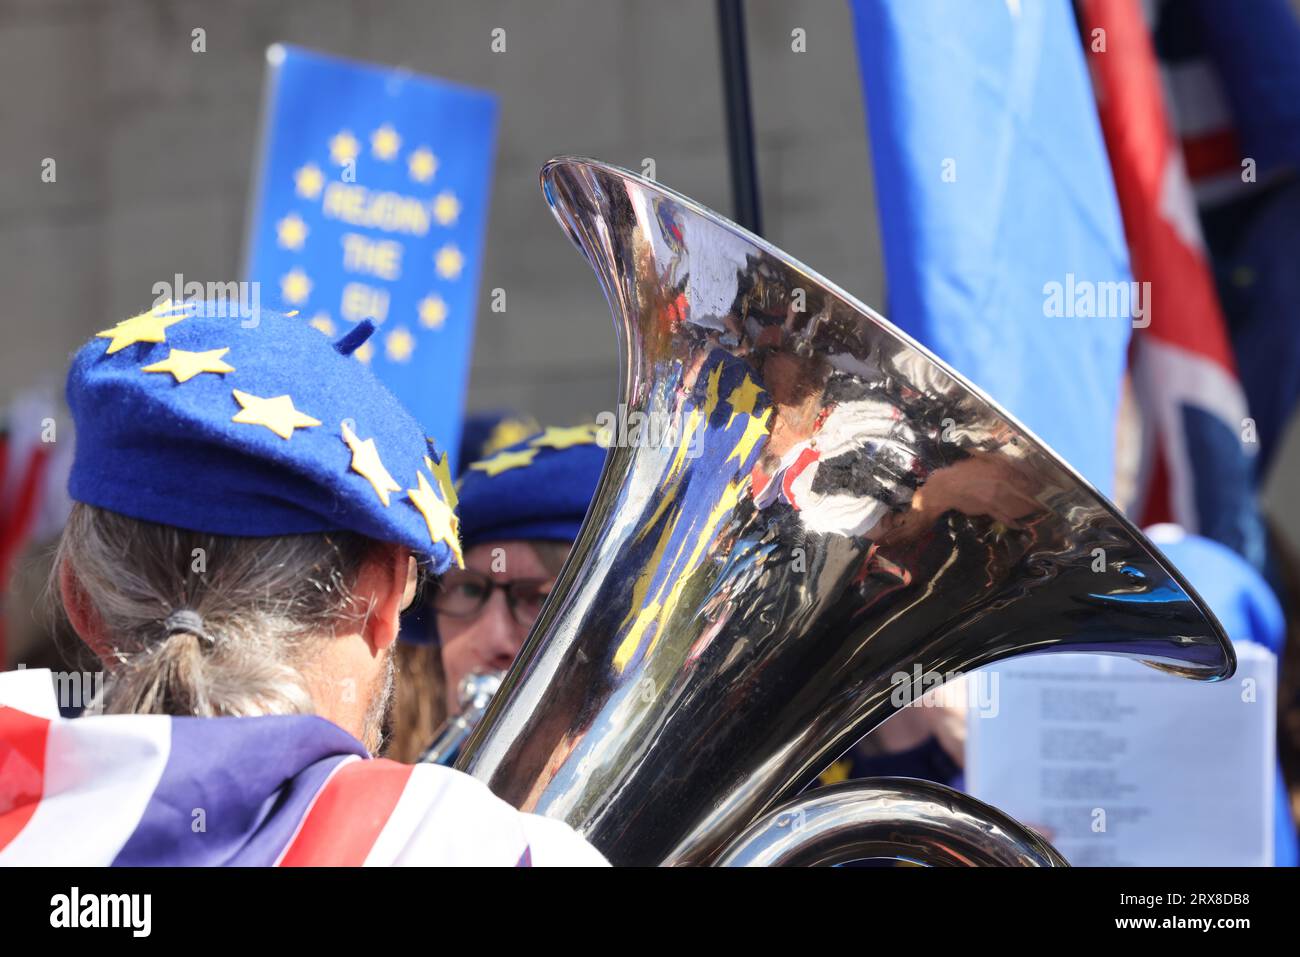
column 755, row 429
column 433, row 312
column 366, row 463
column 308, row 181
column 438, row 516
column 505, row 461
column 450, row 261
column 442, row 472
column 446, row 208
column 291, row 232
column 186, row 365
column 277, row 414
column 742, row 399
column 422, row 165
column 384, row 142
column 295, row 286
column 557, row 438
column 399, row 344
column 344, row 148
column 322, row 322
column 364, row 352
column 147, row 327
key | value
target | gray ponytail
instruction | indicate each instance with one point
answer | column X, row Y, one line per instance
column 197, row 624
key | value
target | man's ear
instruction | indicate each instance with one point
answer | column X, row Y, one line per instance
column 412, row 581
column 387, row 585
column 82, row 616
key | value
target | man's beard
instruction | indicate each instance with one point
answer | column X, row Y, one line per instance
column 381, row 701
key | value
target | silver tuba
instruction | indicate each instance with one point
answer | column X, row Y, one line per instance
column 804, row 516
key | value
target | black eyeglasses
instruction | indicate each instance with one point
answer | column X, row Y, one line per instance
column 463, row 593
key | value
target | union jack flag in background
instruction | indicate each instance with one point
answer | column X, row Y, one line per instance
column 1233, row 80
column 1198, row 456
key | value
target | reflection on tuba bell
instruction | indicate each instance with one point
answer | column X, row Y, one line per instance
column 806, row 514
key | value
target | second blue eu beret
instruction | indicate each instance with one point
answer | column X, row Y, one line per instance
column 535, row 490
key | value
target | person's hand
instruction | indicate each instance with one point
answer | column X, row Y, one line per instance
column 980, row 485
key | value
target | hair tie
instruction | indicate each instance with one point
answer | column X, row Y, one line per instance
column 185, row 620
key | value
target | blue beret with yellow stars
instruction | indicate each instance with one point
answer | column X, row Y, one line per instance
column 190, row 417
column 483, row 433
column 537, row 489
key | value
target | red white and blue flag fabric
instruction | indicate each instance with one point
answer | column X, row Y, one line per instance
column 1233, row 79
column 292, row 790
column 1196, row 469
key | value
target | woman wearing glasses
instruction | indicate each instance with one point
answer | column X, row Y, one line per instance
column 520, row 510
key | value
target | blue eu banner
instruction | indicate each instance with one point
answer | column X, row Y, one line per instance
column 372, row 203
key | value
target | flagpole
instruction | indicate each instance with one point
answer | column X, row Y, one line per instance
column 739, row 117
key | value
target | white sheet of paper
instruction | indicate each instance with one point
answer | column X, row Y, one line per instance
column 1127, row 766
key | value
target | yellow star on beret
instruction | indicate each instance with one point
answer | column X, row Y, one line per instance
column 505, row 461
column 367, row 464
column 557, row 438
column 277, row 414
column 438, row 515
column 185, row 365
column 147, row 327
column 442, row 472
column 508, row 432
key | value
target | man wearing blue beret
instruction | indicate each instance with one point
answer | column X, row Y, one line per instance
column 252, row 506
column 520, row 507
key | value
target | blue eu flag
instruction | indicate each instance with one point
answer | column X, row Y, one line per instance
column 372, row 203
column 997, row 209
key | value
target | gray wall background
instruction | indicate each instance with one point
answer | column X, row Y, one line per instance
column 155, row 143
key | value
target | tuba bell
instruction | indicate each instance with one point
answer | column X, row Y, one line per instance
column 804, row 518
